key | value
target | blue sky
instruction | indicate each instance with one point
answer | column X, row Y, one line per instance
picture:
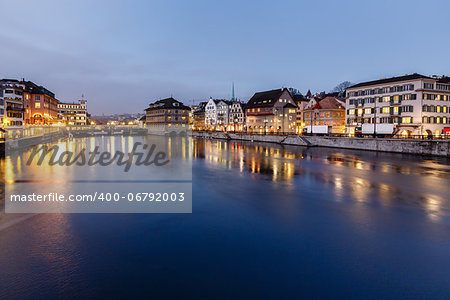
column 123, row 55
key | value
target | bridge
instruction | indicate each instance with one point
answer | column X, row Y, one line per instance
column 34, row 135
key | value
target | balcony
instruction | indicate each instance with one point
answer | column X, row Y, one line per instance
column 15, row 108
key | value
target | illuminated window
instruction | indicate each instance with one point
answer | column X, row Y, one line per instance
column 406, row 120
column 368, row 111
column 396, row 109
column 37, row 105
column 386, row 109
column 386, row 99
column 351, row 111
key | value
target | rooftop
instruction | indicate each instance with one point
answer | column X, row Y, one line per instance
column 266, row 98
column 168, row 103
column 391, row 80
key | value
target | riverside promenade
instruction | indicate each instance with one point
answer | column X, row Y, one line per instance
column 407, row 146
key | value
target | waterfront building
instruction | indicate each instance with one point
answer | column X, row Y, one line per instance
column 41, row 106
column 415, row 104
column 198, row 116
column 216, row 114
column 301, row 102
column 271, row 111
column 328, row 111
column 11, row 103
column 236, row 119
column 167, row 115
column 73, row 113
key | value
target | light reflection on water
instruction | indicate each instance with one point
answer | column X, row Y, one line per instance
column 389, row 180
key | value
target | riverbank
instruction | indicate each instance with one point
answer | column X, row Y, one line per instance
column 419, row 147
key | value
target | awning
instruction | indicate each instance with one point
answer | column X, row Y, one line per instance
column 446, row 129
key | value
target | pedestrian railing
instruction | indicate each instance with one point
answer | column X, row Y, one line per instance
column 343, row 135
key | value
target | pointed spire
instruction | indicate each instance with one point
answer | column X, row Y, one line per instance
column 232, row 94
column 308, row 94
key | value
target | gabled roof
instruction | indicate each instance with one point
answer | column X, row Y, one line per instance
column 329, row 103
column 168, row 103
column 266, row 98
column 390, row 80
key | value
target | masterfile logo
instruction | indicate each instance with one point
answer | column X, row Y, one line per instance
column 141, row 154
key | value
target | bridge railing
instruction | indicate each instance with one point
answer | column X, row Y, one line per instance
column 12, row 134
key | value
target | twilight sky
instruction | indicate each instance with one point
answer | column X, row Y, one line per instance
column 122, row 55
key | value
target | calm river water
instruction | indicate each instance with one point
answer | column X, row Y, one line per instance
column 268, row 221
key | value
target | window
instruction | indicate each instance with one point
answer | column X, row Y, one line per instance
column 428, row 86
column 37, row 105
column 406, row 120
column 37, row 98
column 385, row 110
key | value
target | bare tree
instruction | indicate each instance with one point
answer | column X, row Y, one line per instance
column 342, row 86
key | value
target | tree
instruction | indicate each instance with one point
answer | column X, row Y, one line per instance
column 342, row 86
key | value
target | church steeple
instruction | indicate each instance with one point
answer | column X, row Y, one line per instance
column 232, row 93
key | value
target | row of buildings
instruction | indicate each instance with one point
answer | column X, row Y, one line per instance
column 414, row 104
column 26, row 103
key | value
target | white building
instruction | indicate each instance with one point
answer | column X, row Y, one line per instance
column 216, row 114
column 11, row 103
column 236, row 117
column 415, row 104
column 73, row 113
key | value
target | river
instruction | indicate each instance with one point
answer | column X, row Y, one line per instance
column 267, row 221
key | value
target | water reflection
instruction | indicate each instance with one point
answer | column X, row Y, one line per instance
column 375, row 179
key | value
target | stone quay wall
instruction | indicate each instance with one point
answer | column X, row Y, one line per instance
column 407, row 146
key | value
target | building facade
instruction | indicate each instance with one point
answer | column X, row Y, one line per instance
column 216, row 114
column 271, row 112
column 301, row 102
column 198, row 116
column 329, row 111
column 236, row 117
column 167, row 115
column 73, row 113
column 11, row 104
column 41, row 106
column 415, row 104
